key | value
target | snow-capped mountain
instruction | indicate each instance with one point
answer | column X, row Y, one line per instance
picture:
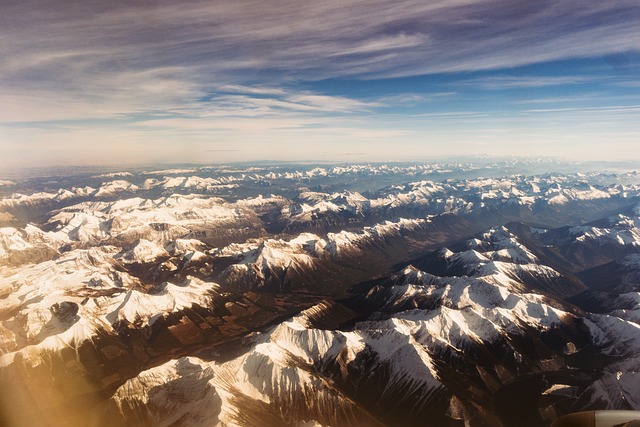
column 351, row 295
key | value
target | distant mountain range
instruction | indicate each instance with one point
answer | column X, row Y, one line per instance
column 350, row 295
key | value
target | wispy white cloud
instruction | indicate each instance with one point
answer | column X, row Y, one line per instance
column 257, row 90
column 554, row 100
column 195, row 68
column 384, row 43
column 523, row 82
column 608, row 108
column 627, row 84
column 331, row 103
column 74, row 45
column 246, row 125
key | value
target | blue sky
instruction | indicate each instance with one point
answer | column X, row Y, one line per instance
column 218, row 81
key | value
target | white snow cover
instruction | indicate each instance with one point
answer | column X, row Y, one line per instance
column 90, row 280
column 144, row 251
column 311, row 204
column 306, row 249
column 622, row 230
column 500, row 244
column 631, row 300
column 143, row 308
column 69, row 272
column 175, row 393
column 489, row 302
column 11, row 239
column 190, row 183
column 112, row 188
column 95, row 222
column 18, row 199
column 587, row 192
column 615, row 335
column 619, row 385
column 274, row 369
column 453, row 196
column 113, row 175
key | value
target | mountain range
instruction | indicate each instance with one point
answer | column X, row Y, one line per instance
column 450, row 294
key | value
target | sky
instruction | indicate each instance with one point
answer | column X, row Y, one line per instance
column 109, row 82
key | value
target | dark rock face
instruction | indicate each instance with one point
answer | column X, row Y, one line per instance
column 65, row 311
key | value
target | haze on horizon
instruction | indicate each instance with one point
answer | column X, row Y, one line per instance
column 197, row 81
